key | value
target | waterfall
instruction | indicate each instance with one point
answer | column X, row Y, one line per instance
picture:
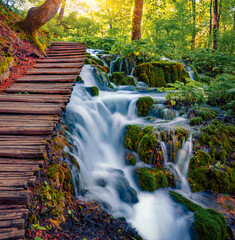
column 97, row 125
column 190, row 72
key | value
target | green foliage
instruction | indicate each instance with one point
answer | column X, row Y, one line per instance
column 215, row 62
column 195, row 121
column 120, row 78
column 188, row 93
column 205, row 79
column 139, row 51
column 221, row 90
column 208, row 225
column 143, row 105
column 158, row 74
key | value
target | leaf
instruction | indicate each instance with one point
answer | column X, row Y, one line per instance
column 38, row 238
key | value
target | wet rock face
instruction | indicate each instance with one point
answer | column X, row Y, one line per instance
column 158, row 74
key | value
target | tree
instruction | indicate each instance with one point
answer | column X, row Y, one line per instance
column 215, row 25
column 136, row 20
column 61, row 14
column 37, row 17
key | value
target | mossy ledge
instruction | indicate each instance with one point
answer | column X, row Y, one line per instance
column 208, row 225
column 158, row 74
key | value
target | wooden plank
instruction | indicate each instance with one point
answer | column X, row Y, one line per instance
column 30, row 118
column 13, row 197
column 20, row 161
column 68, row 57
column 23, row 211
column 17, row 168
column 13, row 234
column 13, row 223
column 20, row 154
column 65, row 54
column 55, row 71
column 24, row 138
column 30, row 108
column 61, row 60
column 58, row 65
column 13, row 183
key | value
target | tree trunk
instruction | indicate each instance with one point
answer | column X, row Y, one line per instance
column 215, row 40
column 37, row 17
column 194, row 25
column 219, row 14
column 136, row 20
column 61, row 14
column 210, row 25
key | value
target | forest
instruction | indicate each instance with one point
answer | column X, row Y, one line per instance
column 138, row 98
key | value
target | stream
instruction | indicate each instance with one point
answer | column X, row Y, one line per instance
column 97, row 125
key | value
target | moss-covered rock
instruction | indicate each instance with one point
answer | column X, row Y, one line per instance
column 208, row 225
column 195, row 121
column 120, row 78
column 204, row 174
column 132, row 137
column 153, row 179
column 87, row 61
column 79, row 79
column 146, row 147
column 158, row 74
column 219, row 139
column 94, row 91
column 130, row 159
column 144, row 105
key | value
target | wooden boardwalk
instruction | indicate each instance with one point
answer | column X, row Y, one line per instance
column 29, row 113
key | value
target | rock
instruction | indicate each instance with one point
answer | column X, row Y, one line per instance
column 132, row 137
column 151, row 179
column 195, row 121
column 94, row 91
column 130, row 159
column 143, row 106
column 158, row 74
column 146, row 148
column 125, row 192
column 120, row 78
column 169, row 114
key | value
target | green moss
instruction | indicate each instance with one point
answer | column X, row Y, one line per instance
column 5, row 61
column 130, row 159
column 204, row 175
column 94, row 91
column 207, row 113
column 147, row 145
column 195, row 121
column 152, row 179
column 87, row 61
column 208, row 225
column 120, row 78
column 132, row 137
column 146, row 180
column 79, row 79
column 143, row 106
column 96, row 61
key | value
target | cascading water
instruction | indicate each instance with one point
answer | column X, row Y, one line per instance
column 97, row 125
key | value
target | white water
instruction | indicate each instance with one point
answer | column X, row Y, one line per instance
column 98, row 124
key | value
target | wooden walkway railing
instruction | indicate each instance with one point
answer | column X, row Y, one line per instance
column 29, row 112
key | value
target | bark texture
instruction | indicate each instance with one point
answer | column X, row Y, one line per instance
column 136, row 20
column 37, row 17
column 61, row 14
column 215, row 24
